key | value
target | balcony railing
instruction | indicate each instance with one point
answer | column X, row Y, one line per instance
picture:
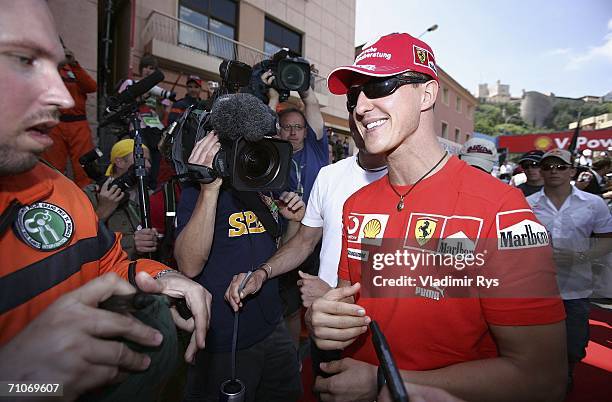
column 172, row 30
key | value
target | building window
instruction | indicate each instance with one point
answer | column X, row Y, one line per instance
column 467, row 136
column 458, row 105
column 457, row 134
column 444, row 133
column 445, row 95
column 470, row 109
column 217, row 16
column 277, row 36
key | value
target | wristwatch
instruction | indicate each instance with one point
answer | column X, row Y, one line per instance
column 165, row 272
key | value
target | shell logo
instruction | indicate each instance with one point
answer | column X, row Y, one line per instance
column 372, row 229
column 542, row 143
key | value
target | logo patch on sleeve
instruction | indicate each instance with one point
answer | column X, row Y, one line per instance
column 366, row 228
column 44, row 226
column 519, row 229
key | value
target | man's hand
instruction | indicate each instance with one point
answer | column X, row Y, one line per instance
column 563, row 257
column 336, row 324
column 291, row 206
column 198, row 300
column 145, row 240
column 273, row 95
column 108, row 199
column 352, row 381
column 70, row 341
column 311, row 287
column 420, row 393
column 252, row 286
column 583, row 180
column 203, row 153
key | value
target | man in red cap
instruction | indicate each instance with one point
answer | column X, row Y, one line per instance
column 503, row 340
column 195, row 86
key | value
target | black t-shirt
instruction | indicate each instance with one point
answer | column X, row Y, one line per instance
column 528, row 189
column 240, row 243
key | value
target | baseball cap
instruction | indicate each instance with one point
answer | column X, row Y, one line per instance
column 389, row 55
column 479, row 152
column 194, row 78
column 558, row 153
column 531, row 156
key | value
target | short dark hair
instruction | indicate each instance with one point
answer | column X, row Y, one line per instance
column 290, row 110
column 146, row 61
column 602, row 164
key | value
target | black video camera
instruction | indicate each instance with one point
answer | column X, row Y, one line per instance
column 249, row 158
column 291, row 72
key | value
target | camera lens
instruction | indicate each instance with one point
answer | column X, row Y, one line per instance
column 292, row 76
column 258, row 164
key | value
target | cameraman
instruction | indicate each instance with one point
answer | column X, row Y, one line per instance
column 306, row 133
column 220, row 238
column 118, row 209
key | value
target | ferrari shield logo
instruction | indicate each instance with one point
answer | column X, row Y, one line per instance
column 423, row 230
column 421, row 55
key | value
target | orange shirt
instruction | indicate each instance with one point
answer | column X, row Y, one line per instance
column 458, row 212
column 56, row 245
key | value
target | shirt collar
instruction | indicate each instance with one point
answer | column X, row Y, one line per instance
column 577, row 193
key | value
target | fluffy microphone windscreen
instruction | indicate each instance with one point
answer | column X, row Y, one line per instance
column 242, row 115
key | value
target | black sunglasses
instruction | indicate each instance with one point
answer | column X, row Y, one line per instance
column 557, row 166
column 379, row 88
column 532, row 165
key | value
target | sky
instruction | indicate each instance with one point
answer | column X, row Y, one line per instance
column 558, row 46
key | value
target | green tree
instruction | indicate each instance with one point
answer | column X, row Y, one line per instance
column 509, row 128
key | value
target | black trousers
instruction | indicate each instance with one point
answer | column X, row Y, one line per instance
column 269, row 370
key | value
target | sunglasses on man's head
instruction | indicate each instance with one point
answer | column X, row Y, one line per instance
column 379, row 88
column 530, row 165
column 557, row 166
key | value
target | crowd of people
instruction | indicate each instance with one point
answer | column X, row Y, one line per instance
column 78, row 260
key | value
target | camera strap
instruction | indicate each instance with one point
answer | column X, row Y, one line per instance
column 252, row 201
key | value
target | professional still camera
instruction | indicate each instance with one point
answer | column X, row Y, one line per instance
column 91, row 162
column 291, row 72
column 249, row 159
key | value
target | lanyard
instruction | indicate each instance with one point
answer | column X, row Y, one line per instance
column 298, row 174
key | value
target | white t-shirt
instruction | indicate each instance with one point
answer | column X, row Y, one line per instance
column 334, row 184
column 570, row 227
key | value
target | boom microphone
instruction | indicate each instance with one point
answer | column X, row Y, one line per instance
column 140, row 88
column 242, row 115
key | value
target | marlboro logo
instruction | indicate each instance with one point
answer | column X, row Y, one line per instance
column 518, row 230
